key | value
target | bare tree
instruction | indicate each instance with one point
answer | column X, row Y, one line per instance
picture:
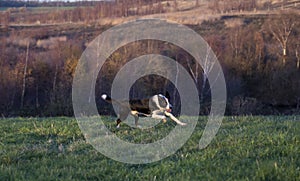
column 214, row 5
column 5, row 19
column 236, row 41
column 197, row 3
column 56, row 62
column 24, row 75
column 281, row 28
column 175, row 5
column 297, row 51
column 254, row 5
column 283, row 2
column 259, row 47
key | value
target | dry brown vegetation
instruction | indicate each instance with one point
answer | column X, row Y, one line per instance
column 257, row 44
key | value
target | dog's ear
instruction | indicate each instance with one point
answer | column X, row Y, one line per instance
column 168, row 96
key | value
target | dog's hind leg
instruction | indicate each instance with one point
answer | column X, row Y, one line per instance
column 122, row 116
column 136, row 117
column 136, row 120
column 118, row 122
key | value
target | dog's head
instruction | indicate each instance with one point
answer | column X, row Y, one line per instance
column 164, row 103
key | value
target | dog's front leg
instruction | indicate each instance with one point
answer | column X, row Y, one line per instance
column 174, row 118
column 155, row 116
column 158, row 115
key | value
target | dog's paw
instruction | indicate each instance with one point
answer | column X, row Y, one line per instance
column 183, row 124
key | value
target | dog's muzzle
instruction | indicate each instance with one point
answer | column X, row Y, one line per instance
column 169, row 110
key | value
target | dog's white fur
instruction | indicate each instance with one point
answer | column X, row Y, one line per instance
column 104, row 96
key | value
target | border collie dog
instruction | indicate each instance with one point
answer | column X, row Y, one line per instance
column 157, row 107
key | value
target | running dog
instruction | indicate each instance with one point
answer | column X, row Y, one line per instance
column 157, row 107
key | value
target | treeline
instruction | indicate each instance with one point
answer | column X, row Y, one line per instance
column 260, row 57
column 42, row 3
column 83, row 11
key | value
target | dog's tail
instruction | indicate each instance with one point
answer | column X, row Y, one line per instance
column 106, row 98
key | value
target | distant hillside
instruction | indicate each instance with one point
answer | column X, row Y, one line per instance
column 25, row 3
column 115, row 12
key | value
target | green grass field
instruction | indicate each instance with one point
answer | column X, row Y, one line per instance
column 245, row 148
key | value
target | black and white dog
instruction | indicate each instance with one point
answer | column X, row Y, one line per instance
column 157, row 107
